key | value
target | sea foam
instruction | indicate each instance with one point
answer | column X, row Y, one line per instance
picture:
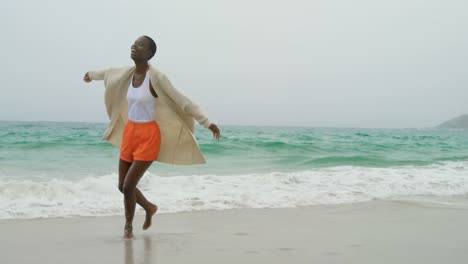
column 99, row 196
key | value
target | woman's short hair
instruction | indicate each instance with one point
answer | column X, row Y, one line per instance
column 153, row 46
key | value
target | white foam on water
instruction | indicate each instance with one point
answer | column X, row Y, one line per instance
column 99, row 196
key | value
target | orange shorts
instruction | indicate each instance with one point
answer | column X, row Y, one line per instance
column 140, row 141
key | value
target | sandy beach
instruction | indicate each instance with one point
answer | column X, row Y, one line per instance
column 371, row 232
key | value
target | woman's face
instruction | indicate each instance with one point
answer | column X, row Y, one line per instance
column 140, row 50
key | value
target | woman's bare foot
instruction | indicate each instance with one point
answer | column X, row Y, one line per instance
column 149, row 214
column 128, row 231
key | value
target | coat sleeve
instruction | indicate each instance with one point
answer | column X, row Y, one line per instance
column 97, row 75
column 183, row 102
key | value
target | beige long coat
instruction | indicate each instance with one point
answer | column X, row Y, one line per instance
column 175, row 114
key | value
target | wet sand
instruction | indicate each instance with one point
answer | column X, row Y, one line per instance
column 371, row 232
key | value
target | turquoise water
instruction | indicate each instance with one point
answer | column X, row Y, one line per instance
column 48, row 160
column 29, row 149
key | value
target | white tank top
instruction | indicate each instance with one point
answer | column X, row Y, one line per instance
column 141, row 103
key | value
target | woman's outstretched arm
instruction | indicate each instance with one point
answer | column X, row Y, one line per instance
column 94, row 75
column 188, row 106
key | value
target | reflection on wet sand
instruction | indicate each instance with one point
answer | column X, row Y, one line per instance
column 146, row 256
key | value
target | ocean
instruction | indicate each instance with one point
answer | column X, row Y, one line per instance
column 59, row 169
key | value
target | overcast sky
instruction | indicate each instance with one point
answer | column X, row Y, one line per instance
column 320, row 63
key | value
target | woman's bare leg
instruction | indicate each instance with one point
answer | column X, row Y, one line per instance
column 149, row 207
column 130, row 181
column 124, row 166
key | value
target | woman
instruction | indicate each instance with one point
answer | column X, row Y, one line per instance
column 150, row 121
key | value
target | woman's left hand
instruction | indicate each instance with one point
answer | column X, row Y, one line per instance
column 216, row 132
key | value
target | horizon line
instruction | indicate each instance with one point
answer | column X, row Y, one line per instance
column 242, row 125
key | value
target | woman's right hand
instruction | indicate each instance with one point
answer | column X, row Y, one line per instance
column 86, row 78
